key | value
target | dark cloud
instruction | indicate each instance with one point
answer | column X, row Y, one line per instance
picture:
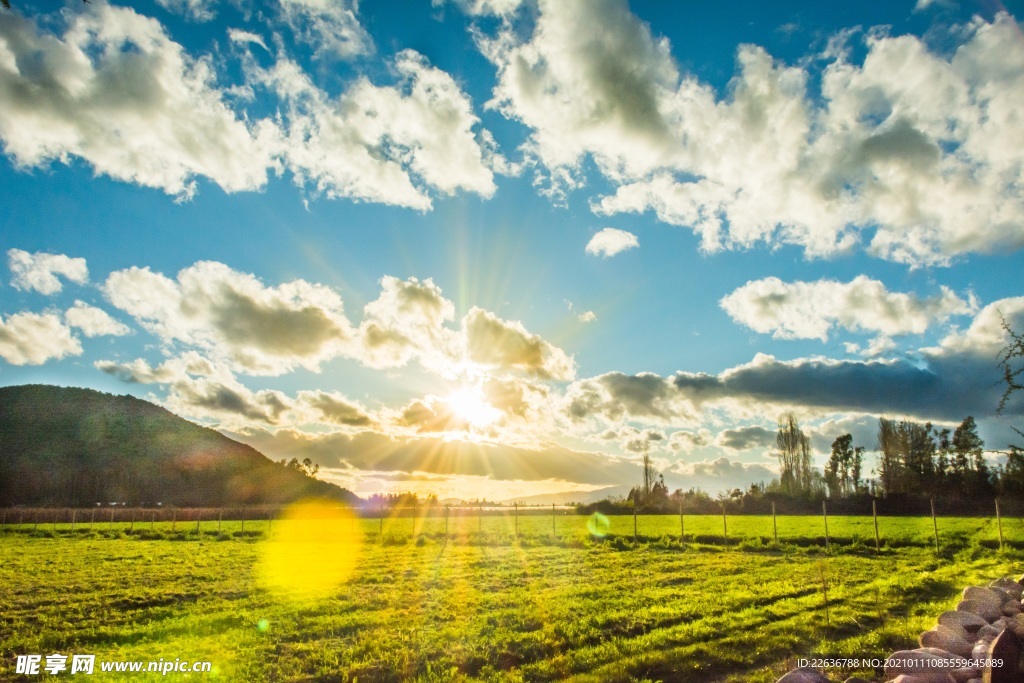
column 743, row 438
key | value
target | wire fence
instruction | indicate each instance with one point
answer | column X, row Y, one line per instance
column 482, row 524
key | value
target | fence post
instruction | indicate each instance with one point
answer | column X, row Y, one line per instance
column 480, row 518
column 446, row 522
column 999, row 523
column 725, row 525
column 4, row 523
column 634, row 522
column 824, row 514
column 74, row 513
column 92, row 519
column 55, row 520
column 380, row 516
column 517, row 518
column 112, row 515
column 682, row 526
column 775, row 525
column 199, row 518
column 874, row 513
column 220, row 513
column 935, row 526
column 174, row 519
column 131, row 526
column 553, row 532
column 152, row 520
column 243, row 520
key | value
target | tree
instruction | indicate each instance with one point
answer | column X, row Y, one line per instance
column 842, row 473
column 794, row 457
column 890, row 470
column 969, row 456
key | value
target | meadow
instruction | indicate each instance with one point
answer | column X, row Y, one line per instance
column 485, row 603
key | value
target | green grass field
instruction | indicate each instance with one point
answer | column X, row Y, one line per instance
column 488, row 606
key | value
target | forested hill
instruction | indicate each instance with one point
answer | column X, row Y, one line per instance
column 70, row 446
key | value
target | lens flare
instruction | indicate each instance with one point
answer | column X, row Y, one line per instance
column 313, row 549
column 598, row 525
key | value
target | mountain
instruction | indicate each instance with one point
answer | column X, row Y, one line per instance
column 566, row 497
column 71, row 446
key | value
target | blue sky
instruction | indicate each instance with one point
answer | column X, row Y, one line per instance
column 503, row 247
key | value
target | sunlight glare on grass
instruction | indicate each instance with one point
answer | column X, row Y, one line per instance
column 311, row 551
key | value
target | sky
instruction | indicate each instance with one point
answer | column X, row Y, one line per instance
column 500, row 248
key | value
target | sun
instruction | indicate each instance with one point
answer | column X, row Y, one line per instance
column 469, row 404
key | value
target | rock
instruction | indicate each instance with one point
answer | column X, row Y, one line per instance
column 965, row 620
column 988, row 633
column 986, row 610
column 924, row 678
column 1016, row 624
column 1011, row 608
column 992, row 595
column 1010, row 586
column 949, row 639
column 980, row 650
column 804, row 675
column 1008, row 648
column 856, row 679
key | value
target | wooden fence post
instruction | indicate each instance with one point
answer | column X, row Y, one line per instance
column 824, row 514
column 775, row 525
column 682, row 526
column 634, row 522
column 999, row 523
column 152, row 520
column 131, row 526
column 480, row 518
column 74, row 513
column 220, row 513
column 553, row 531
column 174, row 518
column 935, row 526
column 517, row 518
column 446, row 522
column 725, row 525
column 874, row 513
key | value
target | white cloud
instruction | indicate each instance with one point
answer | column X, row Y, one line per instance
column 406, row 322
column 915, row 153
column 610, row 241
column 94, row 322
column 330, row 25
column 115, row 91
column 587, row 317
column 504, row 345
column 38, row 272
column 811, row 310
column 388, row 144
column 194, row 10
column 34, row 338
column 234, row 317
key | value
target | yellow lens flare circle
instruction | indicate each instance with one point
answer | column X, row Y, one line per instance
column 598, row 525
column 312, row 549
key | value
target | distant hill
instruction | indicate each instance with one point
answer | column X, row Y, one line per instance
column 567, row 497
column 70, row 446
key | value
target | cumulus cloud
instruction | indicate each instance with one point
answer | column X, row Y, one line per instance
column 407, row 321
column 387, row 144
column 610, row 241
column 94, row 322
column 234, row 317
column 115, row 91
column 958, row 377
column 373, row 451
column 334, row 408
column 202, row 389
column 38, row 272
column 193, row 10
column 810, row 310
column 617, row 396
column 746, row 438
column 34, row 338
column 915, row 153
column 587, row 317
column 723, row 473
column 330, row 25
column 504, row 345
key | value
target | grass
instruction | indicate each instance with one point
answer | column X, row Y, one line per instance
column 483, row 605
